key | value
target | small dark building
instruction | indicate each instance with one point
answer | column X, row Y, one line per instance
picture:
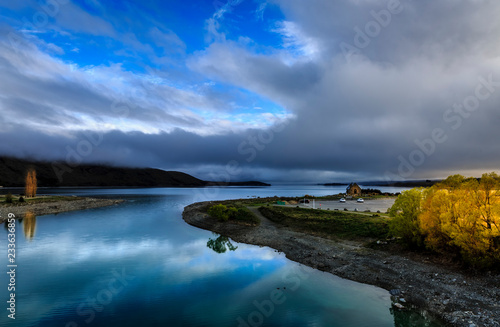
column 353, row 189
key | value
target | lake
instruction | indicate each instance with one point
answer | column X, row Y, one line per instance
column 140, row 264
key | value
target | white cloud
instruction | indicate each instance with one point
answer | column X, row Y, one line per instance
column 259, row 13
column 92, row 95
column 51, row 47
column 75, row 19
column 297, row 41
column 168, row 40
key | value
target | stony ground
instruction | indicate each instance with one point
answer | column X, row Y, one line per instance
column 47, row 208
column 454, row 297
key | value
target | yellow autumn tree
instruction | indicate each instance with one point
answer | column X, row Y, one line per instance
column 436, row 208
column 31, row 183
column 459, row 216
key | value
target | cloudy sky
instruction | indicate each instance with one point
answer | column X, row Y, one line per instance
column 272, row 90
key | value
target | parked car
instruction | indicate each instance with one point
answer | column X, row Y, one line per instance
column 342, row 200
column 360, row 200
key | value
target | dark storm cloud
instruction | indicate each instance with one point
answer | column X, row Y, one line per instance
column 423, row 29
column 374, row 113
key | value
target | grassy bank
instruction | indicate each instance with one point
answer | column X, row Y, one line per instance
column 332, row 224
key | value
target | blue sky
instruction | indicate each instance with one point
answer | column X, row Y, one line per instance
column 290, row 90
column 153, row 41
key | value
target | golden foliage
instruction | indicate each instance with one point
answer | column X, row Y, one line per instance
column 31, row 184
column 460, row 215
column 29, row 225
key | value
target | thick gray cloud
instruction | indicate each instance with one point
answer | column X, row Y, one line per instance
column 389, row 108
column 360, row 114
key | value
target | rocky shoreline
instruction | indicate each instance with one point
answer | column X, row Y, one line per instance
column 456, row 298
column 54, row 207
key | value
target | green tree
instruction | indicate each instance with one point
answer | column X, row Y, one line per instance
column 221, row 244
column 452, row 182
column 404, row 213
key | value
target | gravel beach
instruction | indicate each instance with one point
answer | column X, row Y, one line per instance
column 53, row 207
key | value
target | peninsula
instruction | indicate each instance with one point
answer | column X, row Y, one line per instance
column 441, row 289
column 48, row 205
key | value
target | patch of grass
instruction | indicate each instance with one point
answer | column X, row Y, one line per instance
column 234, row 211
column 346, row 225
column 244, row 214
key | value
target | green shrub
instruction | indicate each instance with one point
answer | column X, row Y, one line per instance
column 219, row 211
column 8, row 198
column 232, row 212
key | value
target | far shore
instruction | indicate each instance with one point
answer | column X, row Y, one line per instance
column 453, row 296
column 46, row 205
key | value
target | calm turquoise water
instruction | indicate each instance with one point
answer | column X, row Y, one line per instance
column 140, row 264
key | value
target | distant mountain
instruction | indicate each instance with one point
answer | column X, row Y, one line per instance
column 411, row 183
column 53, row 174
column 334, row 184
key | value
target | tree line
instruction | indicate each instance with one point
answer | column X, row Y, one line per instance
column 459, row 216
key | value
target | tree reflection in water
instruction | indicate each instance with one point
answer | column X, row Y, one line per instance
column 221, row 244
column 412, row 318
column 29, row 225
